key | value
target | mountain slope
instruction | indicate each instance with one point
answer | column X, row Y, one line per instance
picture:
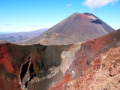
column 103, row 74
column 76, row 28
column 97, row 61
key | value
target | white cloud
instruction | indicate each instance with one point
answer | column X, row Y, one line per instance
column 68, row 5
column 98, row 3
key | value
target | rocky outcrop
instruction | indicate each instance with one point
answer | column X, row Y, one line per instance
column 103, row 74
column 23, row 67
column 91, row 49
column 87, row 54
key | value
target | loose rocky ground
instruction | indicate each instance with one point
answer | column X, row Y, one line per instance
column 103, row 74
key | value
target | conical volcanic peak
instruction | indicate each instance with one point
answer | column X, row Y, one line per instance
column 77, row 27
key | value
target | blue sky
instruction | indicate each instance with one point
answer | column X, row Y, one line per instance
column 29, row 15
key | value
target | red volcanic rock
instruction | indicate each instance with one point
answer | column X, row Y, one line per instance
column 22, row 66
column 106, row 77
column 76, row 28
column 91, row 49
column 88, row 56
column 113, row 71
column 59, row 85
column 8, row 73
column 5, row 59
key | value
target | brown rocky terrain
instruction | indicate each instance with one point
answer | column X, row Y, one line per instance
column 90, row 52
column 92, row 65
column 76, row 28
column 103, row 74
column 33, row 66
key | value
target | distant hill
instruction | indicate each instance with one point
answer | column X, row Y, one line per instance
column 76, row 28
column 20, row 37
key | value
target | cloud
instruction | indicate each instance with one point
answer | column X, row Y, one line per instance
column 98, row 3
column 68, row 5
column 7, row 24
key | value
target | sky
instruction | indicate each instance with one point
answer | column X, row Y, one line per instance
column 30, row 15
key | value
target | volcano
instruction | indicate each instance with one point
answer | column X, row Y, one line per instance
column 76, row 28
